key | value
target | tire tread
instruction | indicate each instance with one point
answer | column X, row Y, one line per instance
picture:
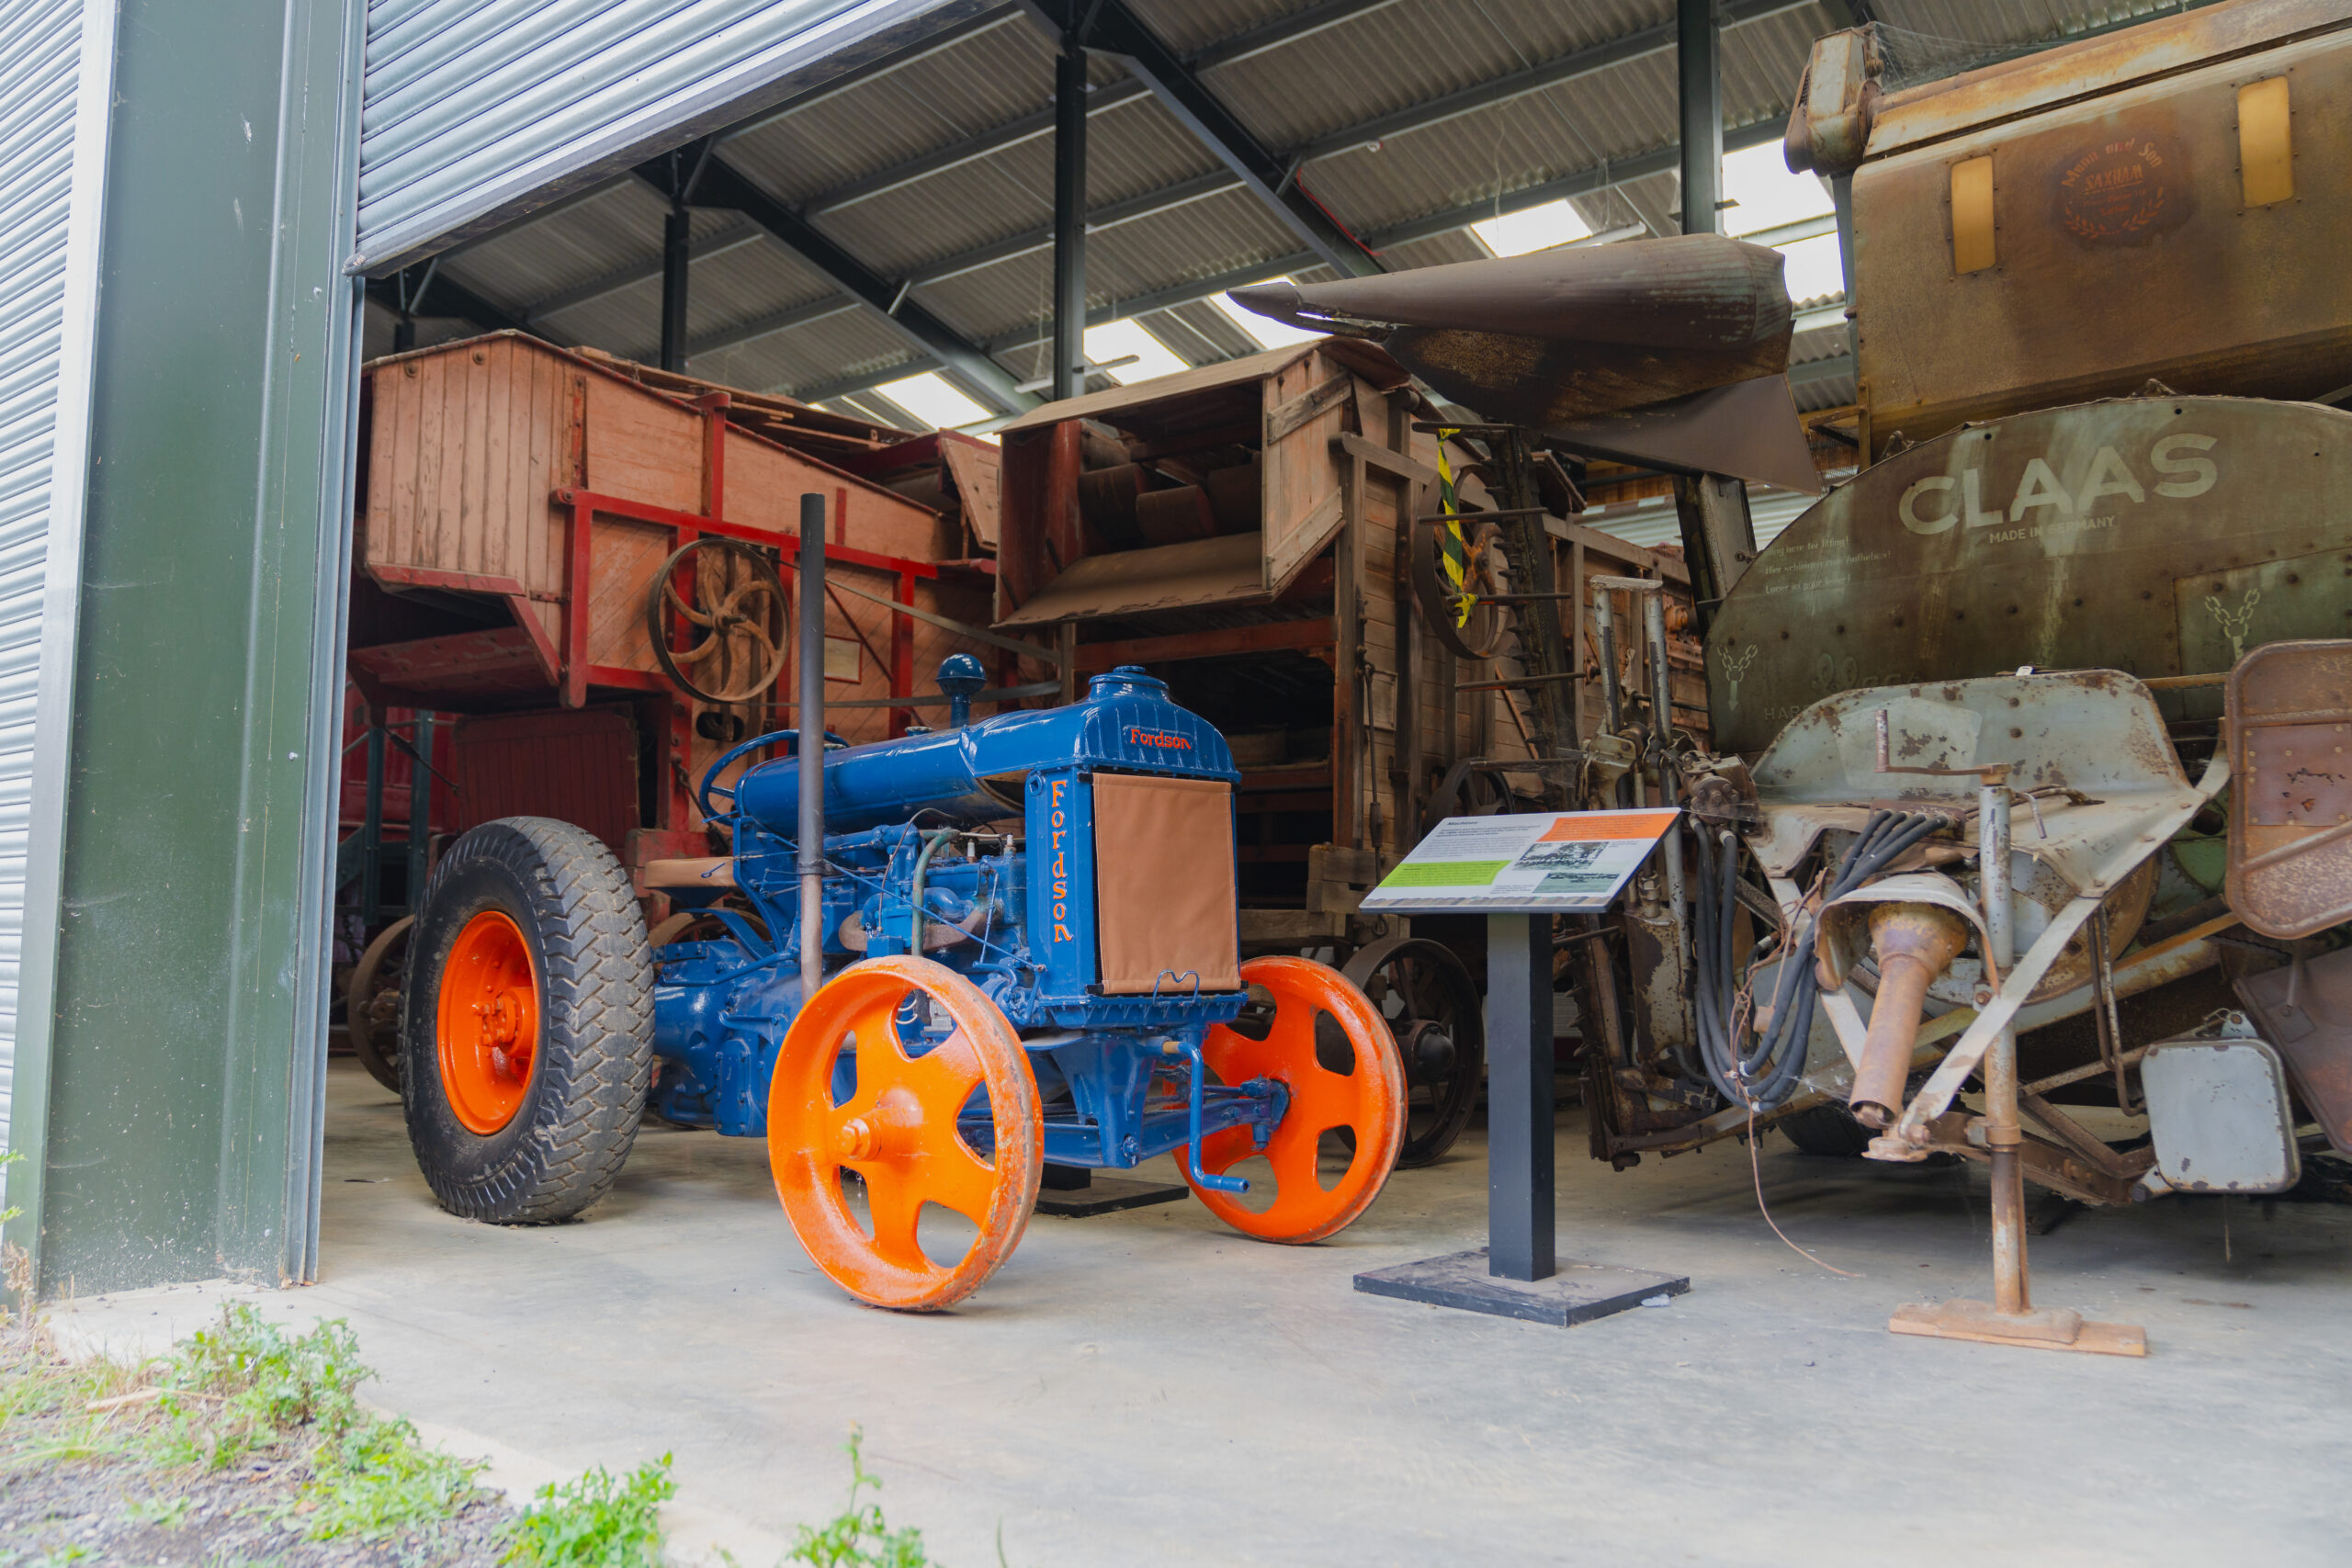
column 596, row 1012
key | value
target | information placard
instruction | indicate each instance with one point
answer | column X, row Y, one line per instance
column 1544, row 861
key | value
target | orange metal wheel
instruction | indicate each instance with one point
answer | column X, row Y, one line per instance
column 1359, row 1088
column 489, row 1021
column 927, row 1047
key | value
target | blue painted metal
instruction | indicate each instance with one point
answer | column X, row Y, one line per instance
column 918, row 851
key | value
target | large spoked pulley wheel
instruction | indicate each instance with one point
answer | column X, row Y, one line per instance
column 371, row 1002
column 1332, row 1153
column 733, row 649
column 1431, row 1005
column 937, row 1109
column 1454, row 575
column 527, row 1022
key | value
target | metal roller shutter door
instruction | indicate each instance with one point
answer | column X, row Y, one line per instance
column 40, row 45
column 471, row 105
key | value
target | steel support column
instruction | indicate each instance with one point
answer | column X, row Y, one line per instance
column 1070, row 217
column 677, row 252
column 1697, row 43
column 1117, row 31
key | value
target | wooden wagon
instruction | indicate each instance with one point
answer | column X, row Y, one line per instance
column 1243, row 530
column 519, row 504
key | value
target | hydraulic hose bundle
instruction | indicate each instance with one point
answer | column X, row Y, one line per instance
column 1766, row 1075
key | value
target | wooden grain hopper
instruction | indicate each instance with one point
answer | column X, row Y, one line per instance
column 519, row 502
column 1242, row 531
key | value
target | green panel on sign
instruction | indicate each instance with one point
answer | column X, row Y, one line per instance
column 1446, row 874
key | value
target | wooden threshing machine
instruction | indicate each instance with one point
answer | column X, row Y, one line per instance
column 1248, row 532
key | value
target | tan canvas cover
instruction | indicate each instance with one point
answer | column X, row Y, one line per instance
column 1163, row 880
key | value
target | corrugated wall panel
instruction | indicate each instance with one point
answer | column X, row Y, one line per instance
column 470, row 106
column 41, row 46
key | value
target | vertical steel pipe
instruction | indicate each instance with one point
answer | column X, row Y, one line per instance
column 1698, row 45
column 1604, row 631
column 1069, row 219
column 420, row 813
column 810, row 746
column 2002, row 1134
column 677, row 253
column 1662, row 725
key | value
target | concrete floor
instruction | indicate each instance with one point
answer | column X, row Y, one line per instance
column 1149, row 1388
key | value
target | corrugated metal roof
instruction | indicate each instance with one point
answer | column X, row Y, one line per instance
column 1653, row 522
column 979, row 107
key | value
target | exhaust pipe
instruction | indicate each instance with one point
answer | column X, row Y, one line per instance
column 1914, row 942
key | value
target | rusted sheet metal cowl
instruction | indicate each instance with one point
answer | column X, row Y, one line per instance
column 1692, row 332
column 2154, row 536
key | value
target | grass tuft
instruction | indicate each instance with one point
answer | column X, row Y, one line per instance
column 595, row 1521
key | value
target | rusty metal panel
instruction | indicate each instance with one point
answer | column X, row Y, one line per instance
column 2290, row 708
column 2154, row 536
column 2124, row 250
column 578, row 766
column 2051, row 77
column 2304, row 1006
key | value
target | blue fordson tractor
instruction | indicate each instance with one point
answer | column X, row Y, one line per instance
column 1028, row 954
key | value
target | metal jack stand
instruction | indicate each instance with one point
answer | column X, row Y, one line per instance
column 2011, row 1317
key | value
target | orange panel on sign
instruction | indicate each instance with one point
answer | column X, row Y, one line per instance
column 1588, row 829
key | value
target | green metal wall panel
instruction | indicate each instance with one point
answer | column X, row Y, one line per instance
column 182, row 1125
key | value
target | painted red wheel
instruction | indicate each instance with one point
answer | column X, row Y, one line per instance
column 489, row 1021
column 1343, row 1076
column 927, row 1047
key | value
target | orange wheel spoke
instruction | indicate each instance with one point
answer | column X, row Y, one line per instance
column 880, row 1058
column 1321, row 1099
column 1293, row 1152
column 895, row 1204
column 953, row 1178
column 951, row 1067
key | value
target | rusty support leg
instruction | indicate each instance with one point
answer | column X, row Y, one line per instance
column 2009, row 1319
column 2002, row 1133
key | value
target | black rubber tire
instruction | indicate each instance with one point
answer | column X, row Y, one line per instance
column 594, row 1061
column 1827, row 1129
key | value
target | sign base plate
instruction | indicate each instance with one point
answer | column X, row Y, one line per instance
column 1577, row 1293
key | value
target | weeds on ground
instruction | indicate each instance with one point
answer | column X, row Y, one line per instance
column 858, row 1538
column 234, row 1392
column 596, row 1522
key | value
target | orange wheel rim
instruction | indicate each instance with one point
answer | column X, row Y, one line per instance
column 1368, row 1100
column 898, row 1132
column 488, row 1023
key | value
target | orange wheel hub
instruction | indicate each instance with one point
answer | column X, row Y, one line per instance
column 1367, row 1101
column 898, row 1132
column 488, row 1023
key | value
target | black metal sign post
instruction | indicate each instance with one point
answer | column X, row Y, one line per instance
column 1520, row 1185
column 1517, row 1273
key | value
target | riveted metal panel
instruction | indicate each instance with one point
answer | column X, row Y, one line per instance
column 2159, row 536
